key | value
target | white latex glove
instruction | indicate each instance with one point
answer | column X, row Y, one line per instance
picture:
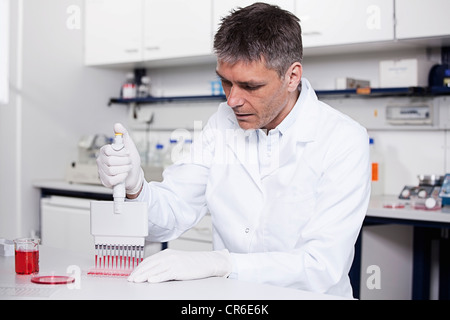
column 115, row 167
column 182, row 265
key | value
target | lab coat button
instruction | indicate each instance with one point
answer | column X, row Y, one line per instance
column 247, row 230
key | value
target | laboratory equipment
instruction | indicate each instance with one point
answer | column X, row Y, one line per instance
column 84, row 170
column 129, row 88
column 432, row 202
column 351, row 83
column 53, row 280
column 119, row 229
column 430, row 179
column 444, row 193
column 440, row 74
column 393, row 205
column 429, row 184
column 26, row 255
column 425, row 196
column 144, row 87
column 376, row 159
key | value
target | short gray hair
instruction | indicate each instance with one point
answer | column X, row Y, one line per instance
column 260, row 31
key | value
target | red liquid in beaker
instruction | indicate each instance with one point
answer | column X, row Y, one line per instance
column 27, row 262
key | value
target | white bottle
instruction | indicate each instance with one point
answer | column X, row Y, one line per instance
column 129, row 87
column 144, row 87
column 376, row 160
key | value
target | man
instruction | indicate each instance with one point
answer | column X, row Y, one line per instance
column 284, row 176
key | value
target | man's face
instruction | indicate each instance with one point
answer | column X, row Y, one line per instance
column 258, row 96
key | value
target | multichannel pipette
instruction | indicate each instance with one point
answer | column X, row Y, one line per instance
column 119, row 229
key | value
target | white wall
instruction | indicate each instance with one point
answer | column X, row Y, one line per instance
column 58, row 101
column 322, row 70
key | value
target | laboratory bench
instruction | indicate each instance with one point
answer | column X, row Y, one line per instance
column 428, row 226
column 428, row 218
column 60, row 262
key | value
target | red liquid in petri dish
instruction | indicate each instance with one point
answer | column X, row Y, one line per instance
column 27, row 262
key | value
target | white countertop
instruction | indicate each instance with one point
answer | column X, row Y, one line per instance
column 376, row 209
column 59, row 262
column 78, row 187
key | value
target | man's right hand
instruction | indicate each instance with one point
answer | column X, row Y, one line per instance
column 124, row 165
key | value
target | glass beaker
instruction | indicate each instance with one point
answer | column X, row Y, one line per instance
column 27, row 255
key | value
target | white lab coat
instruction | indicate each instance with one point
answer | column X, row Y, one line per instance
column 294, row 227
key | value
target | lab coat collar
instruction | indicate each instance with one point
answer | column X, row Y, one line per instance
column 291, row 118
column 244, row 145
column 302, row 120
column 306, row 114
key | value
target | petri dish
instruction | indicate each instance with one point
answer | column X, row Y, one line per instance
column 393, row 205
column 52, row 280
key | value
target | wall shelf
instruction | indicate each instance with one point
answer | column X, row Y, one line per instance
column 153, row 100
column 373, row 92
column 386, row 92
column 347, row 93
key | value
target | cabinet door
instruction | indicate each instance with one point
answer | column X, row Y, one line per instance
column 337, row 22
column 113, row 31
column 176, row 28
column 222, row 8
column 65, row 224
column 419, row 19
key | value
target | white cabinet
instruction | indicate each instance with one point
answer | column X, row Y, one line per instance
column 129, row 31
column 222, row 8
column 420, row 19
column 177, row 28
column 338, row 22
column 122, row 31
column 113, row 31
column 65, row 224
